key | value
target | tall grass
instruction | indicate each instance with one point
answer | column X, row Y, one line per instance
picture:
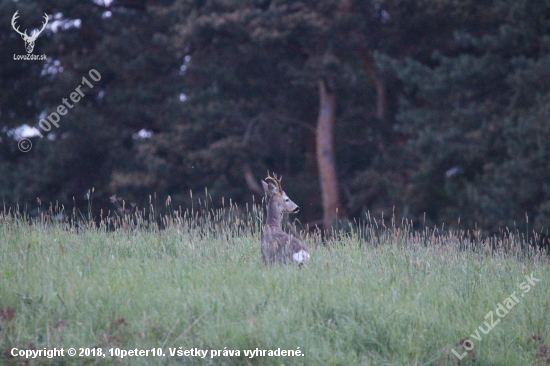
column 374, row 294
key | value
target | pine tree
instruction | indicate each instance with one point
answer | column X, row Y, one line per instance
column 473, row 113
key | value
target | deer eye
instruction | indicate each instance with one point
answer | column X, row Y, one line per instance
column 286, row 200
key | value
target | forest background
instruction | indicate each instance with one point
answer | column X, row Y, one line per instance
column 435, row 111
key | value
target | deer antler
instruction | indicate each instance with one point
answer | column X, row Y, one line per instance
column 275, row 181
column 15, row 16
column 24, row 34
column 35, row 35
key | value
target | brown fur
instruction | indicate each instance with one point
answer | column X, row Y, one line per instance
column 278, row 246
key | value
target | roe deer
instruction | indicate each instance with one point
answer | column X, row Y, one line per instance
column 278, row 246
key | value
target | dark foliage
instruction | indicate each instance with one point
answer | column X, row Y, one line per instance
column 442, row 106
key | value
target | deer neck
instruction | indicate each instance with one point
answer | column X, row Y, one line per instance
column 274, row 215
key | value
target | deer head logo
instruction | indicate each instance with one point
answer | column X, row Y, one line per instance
column 29, row 41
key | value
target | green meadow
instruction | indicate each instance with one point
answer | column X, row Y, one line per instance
column 191, row 288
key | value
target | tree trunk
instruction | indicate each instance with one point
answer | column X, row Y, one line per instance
column 326, row 161
column 251, row 182
column 378, row 82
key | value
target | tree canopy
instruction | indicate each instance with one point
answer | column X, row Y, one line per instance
column 440, row 107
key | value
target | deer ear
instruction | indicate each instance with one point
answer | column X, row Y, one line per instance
column 273, row 189
column 270, row 188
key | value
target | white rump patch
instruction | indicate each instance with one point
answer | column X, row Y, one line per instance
column 301, row 256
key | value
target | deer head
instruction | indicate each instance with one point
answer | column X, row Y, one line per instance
column 278, row 200
column 29, row 40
